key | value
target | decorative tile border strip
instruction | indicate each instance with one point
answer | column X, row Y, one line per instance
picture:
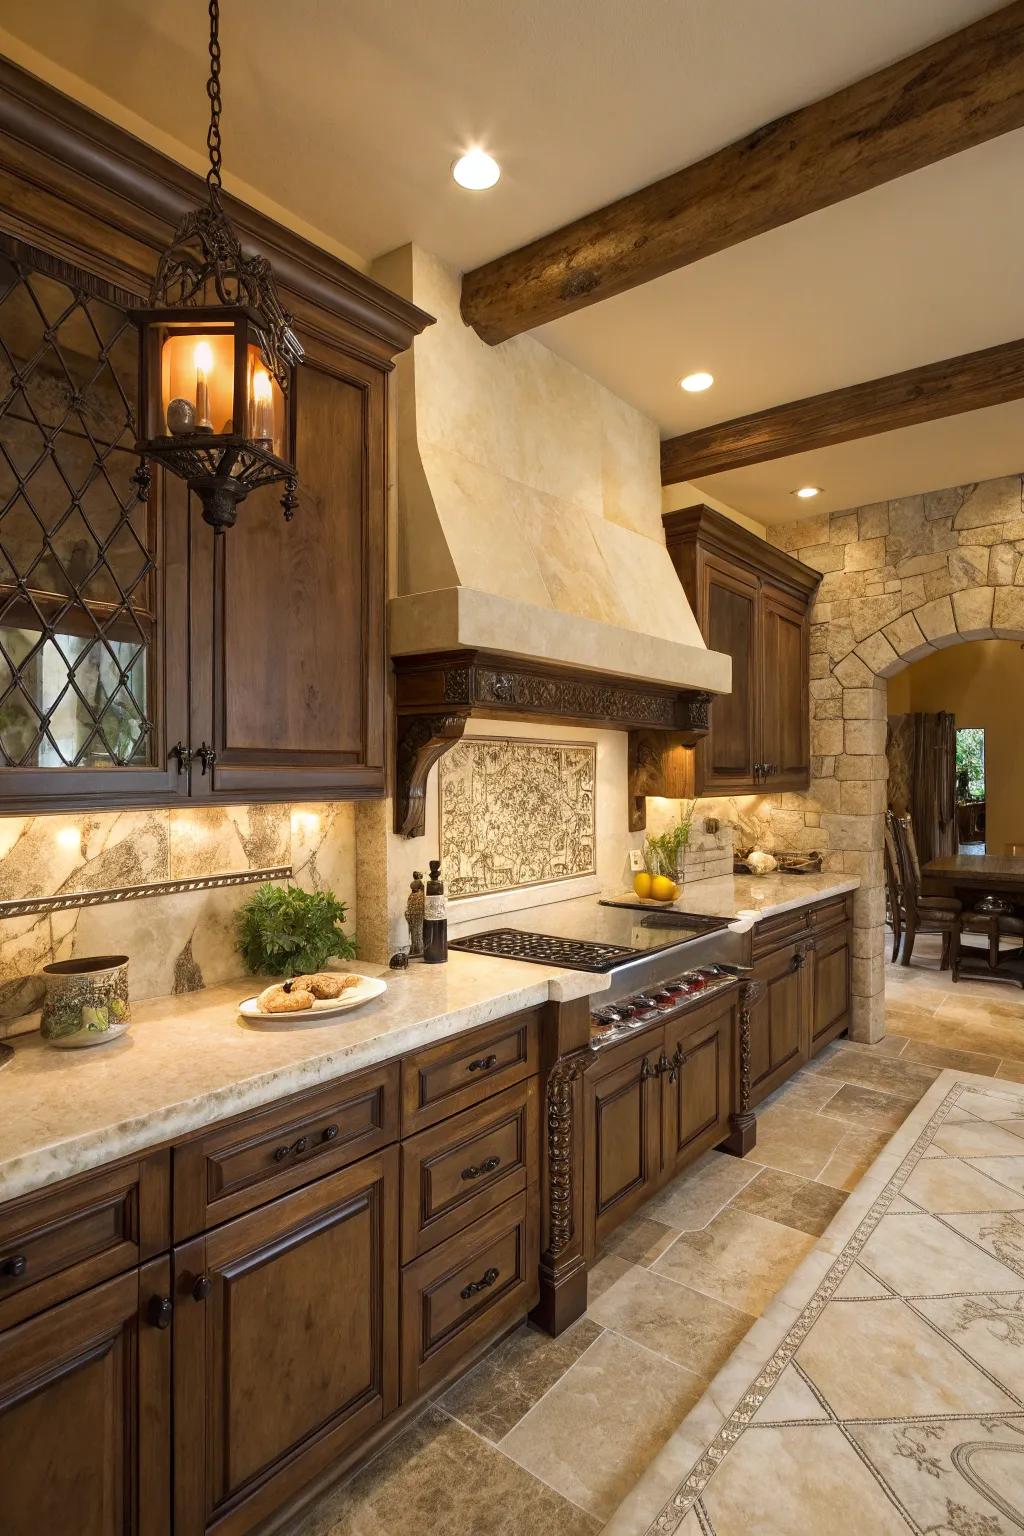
column 63, row 903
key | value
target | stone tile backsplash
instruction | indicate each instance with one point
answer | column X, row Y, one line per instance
column 178, row 942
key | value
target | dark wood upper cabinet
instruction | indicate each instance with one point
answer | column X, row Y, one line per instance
column 750, row 600
column 125, row 627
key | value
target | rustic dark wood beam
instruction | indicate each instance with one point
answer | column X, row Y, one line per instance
column 948, row 388
column 958, row 92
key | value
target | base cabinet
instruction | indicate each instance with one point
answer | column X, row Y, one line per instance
column 652, row 1104
column 830, row 1013
column 85, row 1414
column 780, row 1033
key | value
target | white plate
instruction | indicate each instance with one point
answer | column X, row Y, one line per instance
column 368, row 988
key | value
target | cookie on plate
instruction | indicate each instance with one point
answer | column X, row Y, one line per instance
column 286, row 997
column 327, row 984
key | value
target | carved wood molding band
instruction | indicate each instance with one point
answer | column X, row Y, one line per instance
column 560, row 1110
column 751, row 992
column 436, row 694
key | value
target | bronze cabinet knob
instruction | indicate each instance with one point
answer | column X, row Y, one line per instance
column 483, row 1065
column 329, row 1133
column 14, row 1267
column 201, row 1288
column 161, row 1310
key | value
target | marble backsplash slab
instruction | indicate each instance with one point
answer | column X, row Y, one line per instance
column 176, row 942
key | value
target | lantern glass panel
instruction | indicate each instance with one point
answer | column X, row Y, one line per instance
column 267, row 413
column 197, row 367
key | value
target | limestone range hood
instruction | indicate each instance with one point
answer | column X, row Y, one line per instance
column 530, row 577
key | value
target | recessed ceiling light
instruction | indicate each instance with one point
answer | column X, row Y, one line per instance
column 476, row 170
column 695, row 382
column 807, row 491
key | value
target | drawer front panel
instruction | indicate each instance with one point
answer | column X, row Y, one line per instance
column 773, row 932
column 54, row 1245
column 456, row 1297
column 261, row 1156
column 459, row 1170
column 832, row 912
column 443, row 1079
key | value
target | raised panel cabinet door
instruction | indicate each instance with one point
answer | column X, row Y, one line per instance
column 622, row 1132
column 695, row 1078
column 286, row 1344
column 85, row 1413
column 728, row 610
column 831, row 987
column 785, row 692
column 780, row 1018
column 288, row 618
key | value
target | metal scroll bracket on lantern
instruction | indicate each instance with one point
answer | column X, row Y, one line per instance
column 217, row 356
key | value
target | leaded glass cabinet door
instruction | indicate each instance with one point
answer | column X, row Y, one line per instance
column 93, row 586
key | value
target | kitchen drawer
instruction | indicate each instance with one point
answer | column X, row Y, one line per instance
column 459, row 1170
column 772, row 932
column 465, row 1291
column 443, row 1079
column 840, row 910
column 257, row 1157
column 57, row 1242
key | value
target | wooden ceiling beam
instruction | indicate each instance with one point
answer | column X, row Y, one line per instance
column 958, row 92
column 947, row 388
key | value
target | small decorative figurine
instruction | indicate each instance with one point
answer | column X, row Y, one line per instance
column 181, row 416
column 414, row 910
column 435, row 912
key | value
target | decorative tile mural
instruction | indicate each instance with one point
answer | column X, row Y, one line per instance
column 516, row 813
column 179, row 941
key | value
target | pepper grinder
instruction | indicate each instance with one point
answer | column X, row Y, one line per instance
column 435, row 918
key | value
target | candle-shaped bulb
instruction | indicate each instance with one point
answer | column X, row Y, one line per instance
column 203, row 357
column 262, row 408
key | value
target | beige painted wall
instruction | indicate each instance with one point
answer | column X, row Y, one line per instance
column 980, row 683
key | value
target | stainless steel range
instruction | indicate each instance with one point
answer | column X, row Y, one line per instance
column 658, row 960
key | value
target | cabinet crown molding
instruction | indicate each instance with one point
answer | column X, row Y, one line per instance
column 701, row 524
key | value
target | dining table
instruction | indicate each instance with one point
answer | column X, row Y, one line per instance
column 971, row 876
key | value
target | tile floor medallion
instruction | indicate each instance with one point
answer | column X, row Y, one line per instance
column 882, row 1389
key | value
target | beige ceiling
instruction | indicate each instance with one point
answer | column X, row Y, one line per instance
column 346, row 115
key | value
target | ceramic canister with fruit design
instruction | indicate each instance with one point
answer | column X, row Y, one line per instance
column 86, row 1000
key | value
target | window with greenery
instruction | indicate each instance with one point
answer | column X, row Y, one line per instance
column 970, row 763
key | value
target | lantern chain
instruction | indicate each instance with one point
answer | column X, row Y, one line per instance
column 213, row 92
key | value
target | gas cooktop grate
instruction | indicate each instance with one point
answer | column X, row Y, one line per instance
column 545, row 949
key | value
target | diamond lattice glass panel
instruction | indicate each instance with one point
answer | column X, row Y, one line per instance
column 77, row 589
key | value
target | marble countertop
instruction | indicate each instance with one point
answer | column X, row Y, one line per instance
column 188, row 1061
column 758, row 896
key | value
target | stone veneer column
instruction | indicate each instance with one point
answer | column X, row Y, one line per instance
column 900, row 580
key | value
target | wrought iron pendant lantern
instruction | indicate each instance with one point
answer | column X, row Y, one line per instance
column 218, row 355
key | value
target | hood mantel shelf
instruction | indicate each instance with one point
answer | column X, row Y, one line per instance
column 436, row 694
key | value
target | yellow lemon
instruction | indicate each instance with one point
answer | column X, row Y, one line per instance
column 664, row 889
column 642, row 884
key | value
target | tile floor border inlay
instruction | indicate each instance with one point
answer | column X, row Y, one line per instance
column 950, row 1093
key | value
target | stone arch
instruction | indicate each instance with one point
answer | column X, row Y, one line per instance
column 848, row 730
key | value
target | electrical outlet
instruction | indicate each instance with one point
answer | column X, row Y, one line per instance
column 636, row 860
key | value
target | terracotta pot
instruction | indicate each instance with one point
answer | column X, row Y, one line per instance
column 86, row 1000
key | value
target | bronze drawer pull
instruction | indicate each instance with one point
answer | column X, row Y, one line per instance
column 487, row 1166
column 487, row 1278
column 664, row 1065
column 14, row 1267
column 646, row 1070
column 799, row 960
column 483, row 1065
column 679, row 1059
column 161, row 1309
column 280, row 1153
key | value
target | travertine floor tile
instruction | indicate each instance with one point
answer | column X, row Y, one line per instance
column 738, row 1258
column 499, row 1391
column 852, row 1159
column 903, row 1079
column 597, row 1429
column 795, row 1141
column 762, row 1487
column 932, row 1055
column 795, row 1202
column 439, row 1477
column 875, row 1359
column 641, row 1238
column 866, row 1108
column 692, row 1329
column 942, row 1184
column 700, row 1192
column 790, row 1398
column 980, row 1139
column 921, row 1256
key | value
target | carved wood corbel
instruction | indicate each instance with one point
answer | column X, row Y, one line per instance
column 420, row 742
column 743, row 1121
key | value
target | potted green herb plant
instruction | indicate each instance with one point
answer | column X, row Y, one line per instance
column 285, row 931
column 664, row 853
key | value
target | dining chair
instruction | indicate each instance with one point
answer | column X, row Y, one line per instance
column 995, row 960
column 917, row 913
column 893, row 897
